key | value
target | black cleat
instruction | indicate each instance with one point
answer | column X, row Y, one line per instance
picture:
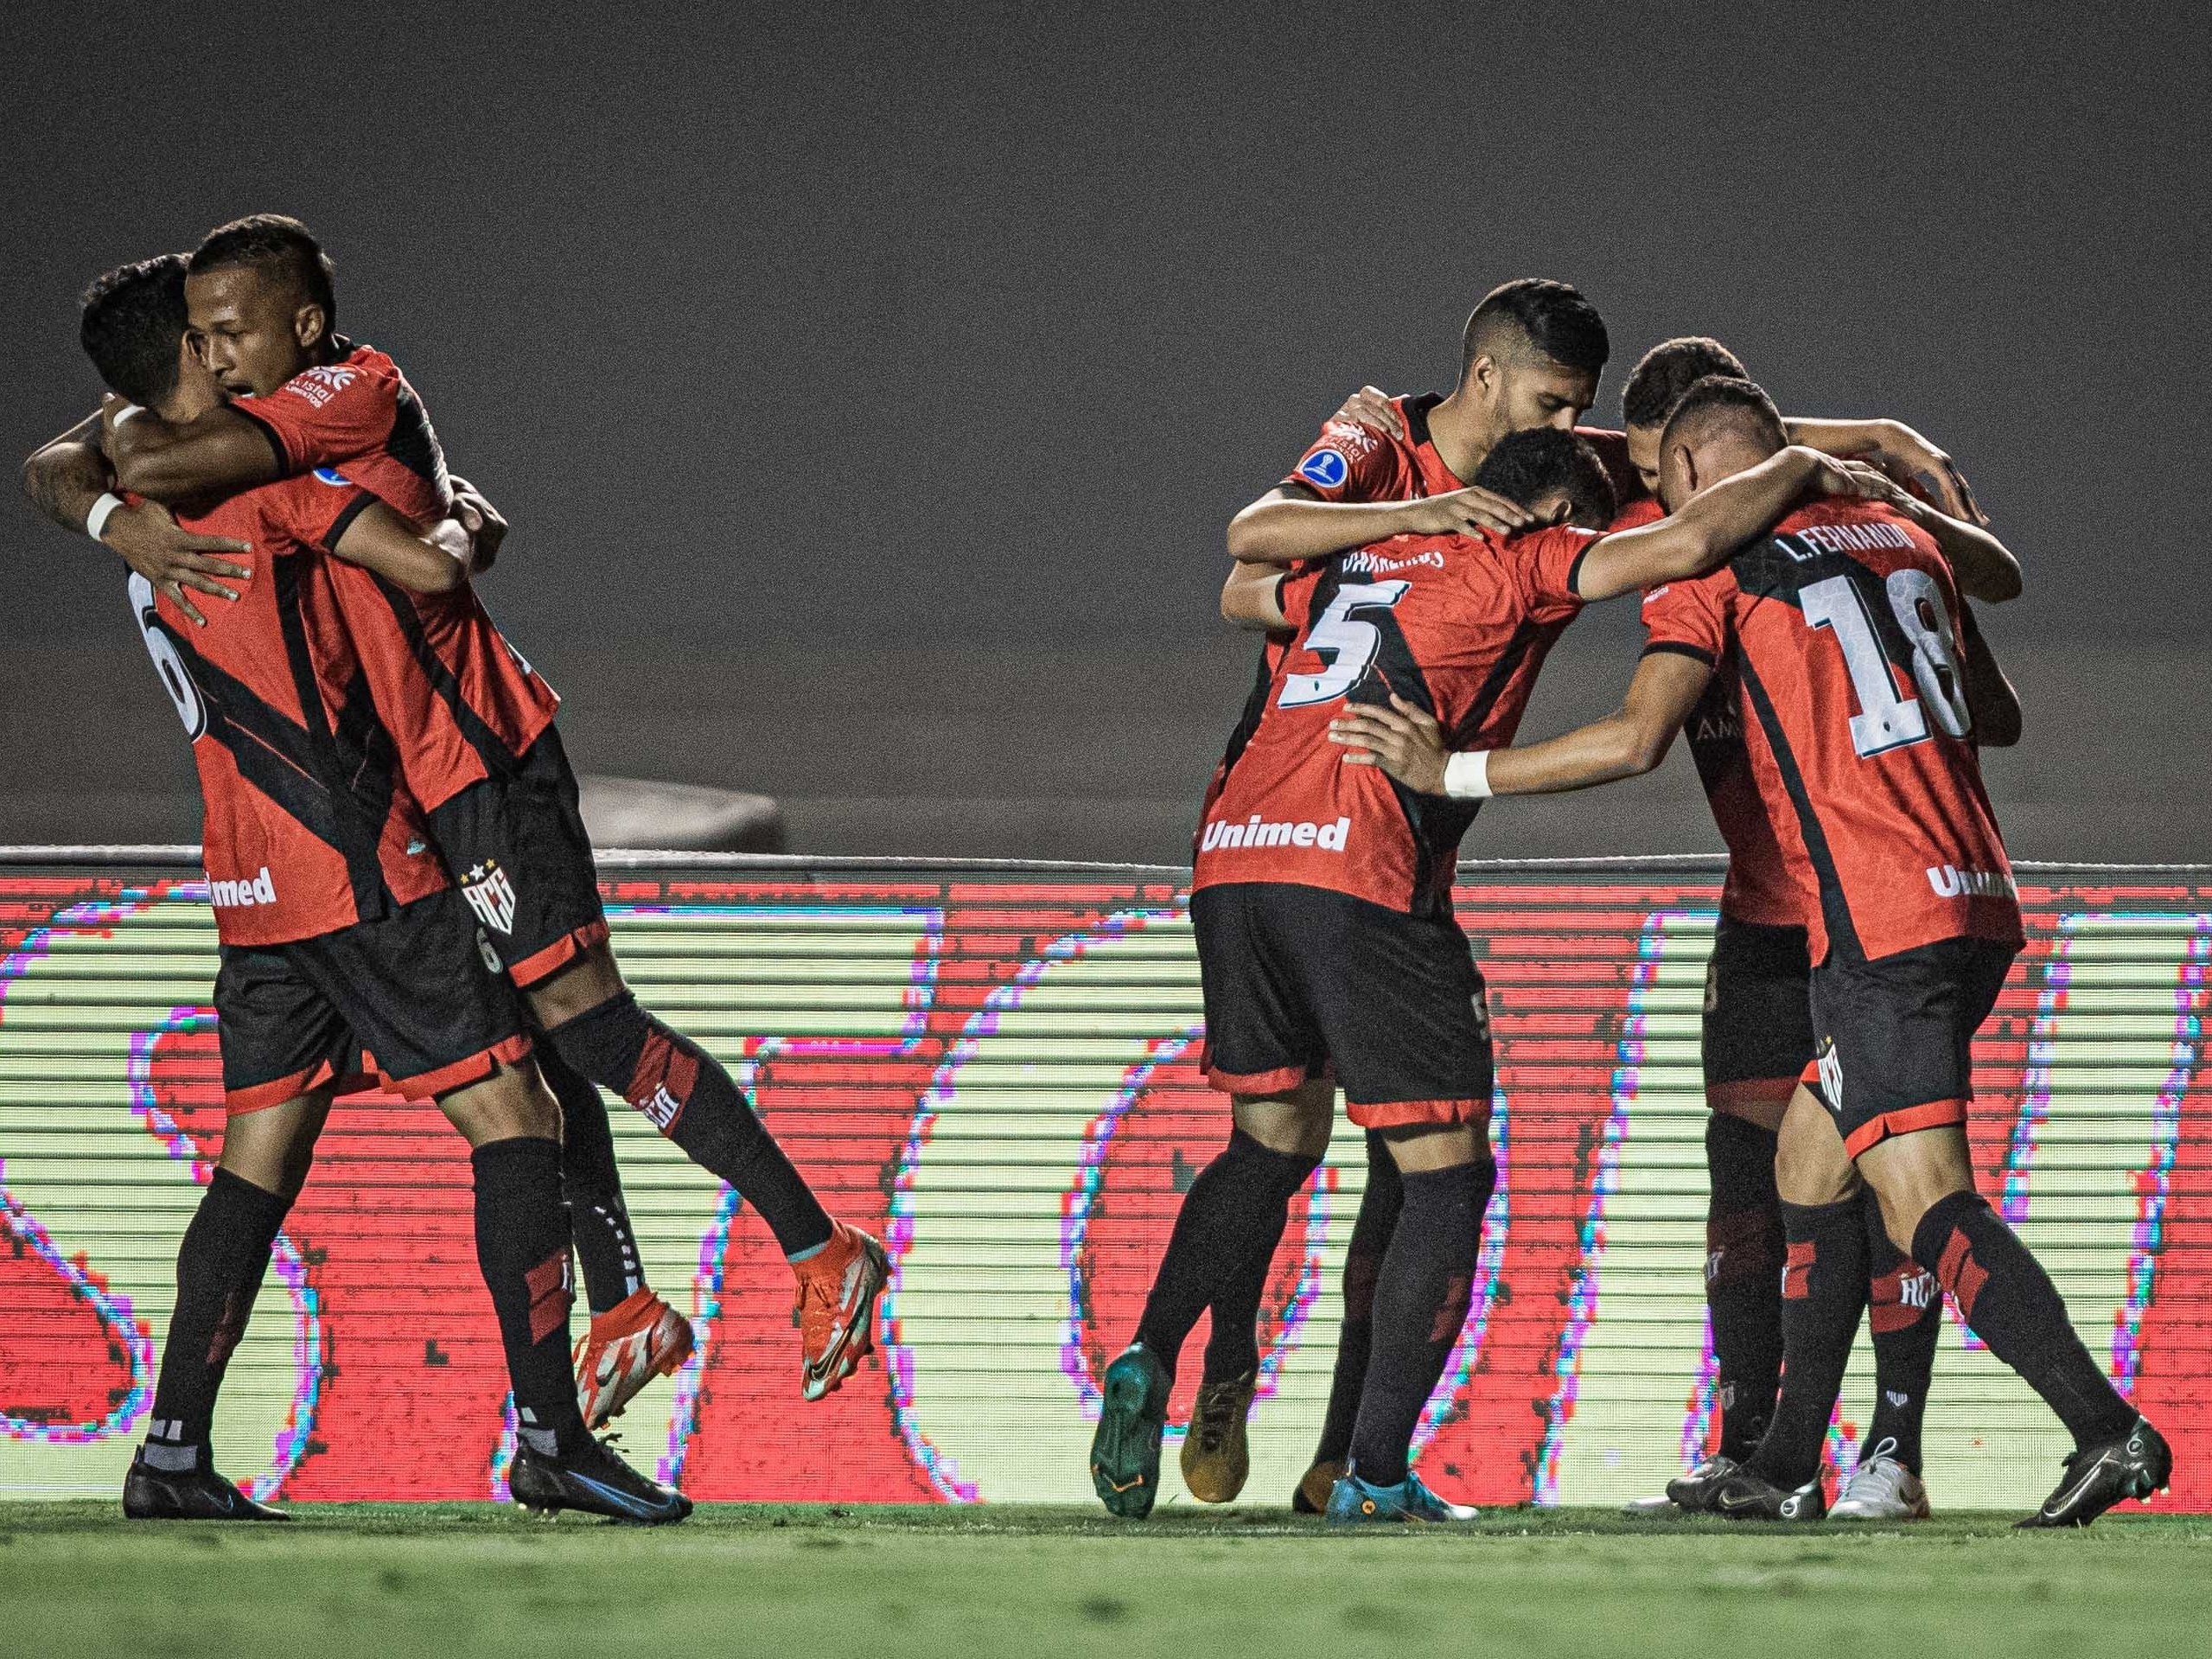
column 2098, row 1476
column 593, row 1481
column 1687, row 1493
column 1739, row 1495
column 199, row 1494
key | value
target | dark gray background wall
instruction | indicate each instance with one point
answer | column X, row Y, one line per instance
column 870, row 385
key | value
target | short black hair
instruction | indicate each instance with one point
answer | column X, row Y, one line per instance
column 131, row 325
column 1525, row 467
column 274, row 240
column 1552, row 317
column 1669, row 369
column 1727, row 398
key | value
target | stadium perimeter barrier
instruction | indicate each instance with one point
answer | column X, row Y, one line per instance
column 991, row 1066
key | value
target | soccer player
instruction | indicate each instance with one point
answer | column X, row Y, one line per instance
column 1327, row 944
column 340, row 933
column 1856, row 674
column 479, row 749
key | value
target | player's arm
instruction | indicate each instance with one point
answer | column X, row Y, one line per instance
column 435, row 560
column 1710, row 528
column 1898, row 450
column 69, row 480
column 1252, row 597
column 1990, row 699
column 219, row 454
column 1407, row 743
column 1287, row 525
column 1982, row 566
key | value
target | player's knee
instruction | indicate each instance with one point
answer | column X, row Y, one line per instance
column 1294, row 1125
column 589, row 982
column 1419, row 1148
column 511, row 1104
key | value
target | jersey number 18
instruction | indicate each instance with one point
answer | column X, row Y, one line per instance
column 1886, row 721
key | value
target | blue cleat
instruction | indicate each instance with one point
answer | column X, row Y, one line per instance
column 1125, row 1451
column 1352, row 1502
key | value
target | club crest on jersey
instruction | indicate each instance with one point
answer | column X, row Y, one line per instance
column 1830, row 1065
column 332, row 476
column 1326, row 468
column 491, row 896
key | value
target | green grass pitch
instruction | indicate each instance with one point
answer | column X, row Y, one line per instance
column 909, row 1583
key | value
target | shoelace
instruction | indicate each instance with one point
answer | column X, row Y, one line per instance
column 1212, row 1415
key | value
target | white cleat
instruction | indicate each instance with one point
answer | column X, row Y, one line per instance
column 1881, row 1489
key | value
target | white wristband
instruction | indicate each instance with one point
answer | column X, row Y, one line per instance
column 96, row 521
column 1467, row 776
column 129, row 411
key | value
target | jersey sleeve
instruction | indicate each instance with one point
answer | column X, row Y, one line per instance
column 1351, row 462
column 1546, row 567
column 1689, row 618
column 315, row 511
column 327, row 415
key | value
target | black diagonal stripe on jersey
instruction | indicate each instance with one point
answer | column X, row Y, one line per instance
column 478, row 735
column 372, row 899
column 1835, row 909
column 269, row 751
column 1255, row 706
column 1435, row 824
column 413, row 443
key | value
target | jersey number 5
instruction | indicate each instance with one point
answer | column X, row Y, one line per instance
column 1886, row 721
column 1350, row 646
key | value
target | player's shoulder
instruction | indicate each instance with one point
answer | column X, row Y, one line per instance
column 355, row 371
column 1344, row 449
column 1636, row 514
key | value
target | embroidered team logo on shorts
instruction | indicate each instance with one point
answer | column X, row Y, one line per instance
column 1830, row 1074
column 491, row 896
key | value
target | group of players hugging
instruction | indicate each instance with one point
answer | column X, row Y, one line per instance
column 404, row 893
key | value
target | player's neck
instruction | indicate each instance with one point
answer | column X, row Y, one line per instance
column 1459, row 435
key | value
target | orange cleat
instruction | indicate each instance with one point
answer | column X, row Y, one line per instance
column 641, row 1337
column 835, row 1308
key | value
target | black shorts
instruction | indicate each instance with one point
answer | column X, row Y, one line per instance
column 417, row 994
column 1894, row 1036
column 517, row 848
column 1758, row 1038
column 1301, row 982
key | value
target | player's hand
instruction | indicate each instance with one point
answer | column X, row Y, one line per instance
column 1859, row 480
column 1927, row 471
column 1369, row 407
column 1404, row 740
column 170, row 557
column 1465, row 512
column 486, row 526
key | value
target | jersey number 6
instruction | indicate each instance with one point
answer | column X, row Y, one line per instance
column 1350, row 646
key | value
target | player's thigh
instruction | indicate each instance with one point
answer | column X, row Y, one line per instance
column 1406, row 1017
column 279, row 1033
column 430, row 1005
column 516, row 845
column 1262, row 1039
column 1910, row 1172
column 1295, row 1122
column 1893, row 1037
column 1756, row 1037
column 274, row 1149
column 1811, row 1166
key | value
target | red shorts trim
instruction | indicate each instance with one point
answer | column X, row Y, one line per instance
column 461, row 1073
column 1254, row 1083
column 1397, row 1114
column 1936, row 1114
column 1750, row 1091
column 543, row 964
column 259, row 1097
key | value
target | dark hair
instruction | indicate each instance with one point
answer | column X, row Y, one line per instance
column 132, row 324
column 1669, row 369
column 274, row 240
column 1728, row 399
column 1545, row 460
column 1552, row 317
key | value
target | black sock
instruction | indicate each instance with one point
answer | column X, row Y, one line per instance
column 218, row 1271
column 1906, row 1310
column 687, row 1094
column 1233, row 1344
column 1224, row 1215
column 1371, row 1229
column 591, row 1186
column 1421, row 1300
column 2008, row 1300
column 522, row 1247
column 1743, row 1260
column 1823, row 1289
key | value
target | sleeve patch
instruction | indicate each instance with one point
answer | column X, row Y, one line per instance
column 1326, row 468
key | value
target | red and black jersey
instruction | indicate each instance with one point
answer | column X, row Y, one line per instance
column 1844, row 626
column 461, row 701
column 1458, row 625
column 1353, row 461
column 306, row 826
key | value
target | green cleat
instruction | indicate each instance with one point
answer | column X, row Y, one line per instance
column 1125, row 1451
